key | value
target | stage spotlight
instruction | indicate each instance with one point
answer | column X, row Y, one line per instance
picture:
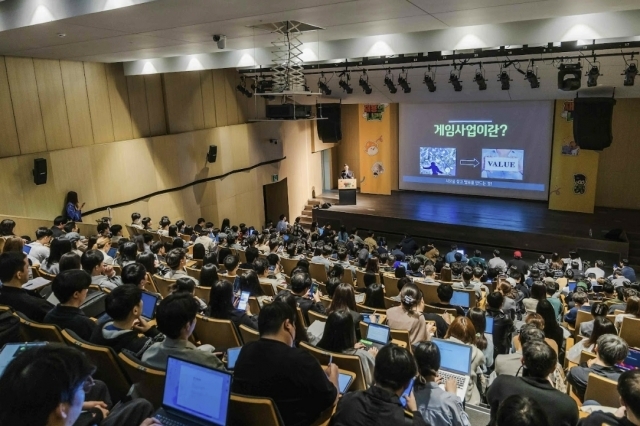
column 402, row 81
column 569, row 77
column 592, row 76
column 482, row 83
column 345, row 83
column 505, row 80
column 388, row 81
column 630, row 74
column 429, row 81
column 263, row 86
column 242, row 87
column 533, row 79
column 364, row 83
column 454, row 79
column 322, row 85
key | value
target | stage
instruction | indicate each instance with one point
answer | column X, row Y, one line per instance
column 480, row 222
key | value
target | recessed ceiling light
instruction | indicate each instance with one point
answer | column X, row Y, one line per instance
column 61, row 35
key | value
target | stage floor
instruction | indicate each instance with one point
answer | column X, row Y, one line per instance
column 514, row 224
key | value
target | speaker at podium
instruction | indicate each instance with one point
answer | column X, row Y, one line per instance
column 347, row 192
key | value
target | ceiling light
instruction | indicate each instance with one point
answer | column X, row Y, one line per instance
column 569, row 77
column 429, row 80
column 479, row 78
column 388, row 81
column 533, row 79
column 630, row 74
column 344, row 83
column 322, row 85
column 454, row 79
column 505, row 80
column 592, row 76
column 402, row 81
column 364, row 83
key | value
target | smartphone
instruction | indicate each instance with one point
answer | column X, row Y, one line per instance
column 407, row 391
column 272, row 268
column 313, row 289
column 244, row 299
column 232, row 357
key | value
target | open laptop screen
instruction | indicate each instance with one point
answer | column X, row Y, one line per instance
column 26, row 249
column 12, row 350
column 378, row 333
column 149, row 302
column 113, row 252
column 197, row 391
column 460, row 298
column 632, row 361
column 489, row 326
column 454, row 357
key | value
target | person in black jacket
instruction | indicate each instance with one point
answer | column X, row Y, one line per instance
column 409, row 245
column 223, row 305
column 124, row 306
column 14, row 273
column 300, row 285
column 71, row 288
column 502, row 324
column 381, row 404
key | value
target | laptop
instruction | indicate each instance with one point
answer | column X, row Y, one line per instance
column 194, row 395
column 460, row 298
column 572, row 286
column 149, row 304
column 632, row 361
column 377, row 335
column 405, row 265
column 113, row 252
column 232, row 357
column 12, row 350
column 455, row 361
column 489, row 324
column 26, row 249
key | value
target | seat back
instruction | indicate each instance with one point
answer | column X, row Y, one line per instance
column 149, row 382
column 360, row 278
column 150, row 285
column 193, row 272
column 166, row 239
column 436, row 310
column 429, row 292
column 132, row 231
column 630, row 331
column 242, row 256
column 107, row 367
column 344, row 362
column 219, row 333
column 390, row 303
column 390, row 285
column 248, row 334
column 267, row 288
column 254, row 305
column 46, row 275
column 288, row 265
column 249, row 410
column 118, row 269
column 603, row 390
column 315, row 316
column 203, row 293
column 348, row 276
column 38, row 332
column 586, row 356
column 583, row 316
column 445, row 274
column 318, row 272
column 163, row 284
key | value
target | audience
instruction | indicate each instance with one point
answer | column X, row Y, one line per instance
column 71, row 288
column 601, row 326
column 223, row 305
column 176, row 261
column 522, row 411
column 14, row 273
column 462, row 331
column 59, row 246
column 300, row 286
column 629, row 412
column 408, row 316
column 102, row 275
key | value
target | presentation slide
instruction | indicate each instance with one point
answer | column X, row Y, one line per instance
column 499, row 149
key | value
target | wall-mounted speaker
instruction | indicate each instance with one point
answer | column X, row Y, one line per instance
column 592, row 122
column 212, row 155
column 40, row 171
column 330, row 127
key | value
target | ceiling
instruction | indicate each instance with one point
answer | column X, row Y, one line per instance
column 128, row 30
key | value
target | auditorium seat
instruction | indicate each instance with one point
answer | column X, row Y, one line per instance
column 288, row 265
column 583, row 316
column 440, row 311
column 193, row 272
column 318, row 272
column 348, row 276
column 390, row 285
column 242, row 256
column 390, row 303
column 630, row 331
column 267, row 288
column 203, row 293
column 248, row 410
column 37, row 332
column 603, row 390
column 248, row 334
column 219, row 333
column 163, row 284
column 148, row 382
column 315, row 316
column 254, row 306
column 132, row 231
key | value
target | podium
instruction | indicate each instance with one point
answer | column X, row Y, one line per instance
column 347, row 192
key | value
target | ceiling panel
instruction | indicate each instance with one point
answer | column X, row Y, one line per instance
column 441, row 6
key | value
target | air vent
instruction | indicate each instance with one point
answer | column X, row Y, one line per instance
column 284, row 26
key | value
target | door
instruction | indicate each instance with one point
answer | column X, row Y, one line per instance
column 276, row 201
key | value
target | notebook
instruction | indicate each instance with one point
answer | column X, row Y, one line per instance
column 489, row 326
column 455, row 361
column 12, row 350
column 632, row 361
column 149, row 303
column 460, row 298
column 377, row 335
column 194, row 395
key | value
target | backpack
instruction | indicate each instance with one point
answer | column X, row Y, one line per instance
column 9, row 328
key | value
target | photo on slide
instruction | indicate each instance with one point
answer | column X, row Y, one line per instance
column 438, row 161
column 503, row 164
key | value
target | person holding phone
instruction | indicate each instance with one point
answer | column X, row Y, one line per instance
column 223, row 304
column 73, row 207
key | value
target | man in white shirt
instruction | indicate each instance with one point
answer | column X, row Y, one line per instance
column 261, row 267
column 39, row 248
column 324, row 258
column 597, row 270
column 282, row 224
column 205, row 240
column 102, row 275
column 497, row 262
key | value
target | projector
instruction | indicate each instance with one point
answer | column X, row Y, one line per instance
column 288, row 111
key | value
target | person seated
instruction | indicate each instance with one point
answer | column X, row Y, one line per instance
column 223, row 305
column 59, row 246
column 467, row 275
column 40, row 247
column 250, row 283
column 511, row 364
column 71, row 288
column 374, row 296
column 135, row 274
column 408, row 316
column 463, row 331
column 580, row 303
column 176, row 261
column 271, row 367
column 414, row 266
column 57, row 230
column 300, row 286
column 124, row 307
column 344, row 299
column 275, row 268
column 477, row 260
column 262, row 270
column 610, row 350
column 601, row 326
column 380, row 404
column 343, row 255
column 539, row 361
column 631, row 309
column 437, row 406
column 458, row 265
column 629, row 412
column 339, row 336
column 101, row 275
column 445, row 294
column 187, row 286
column 251, row 254
column 164, row 226
column 322, row 257
column 14, row 273
column 69, row 261
column 502, row 323
column 522, row 411
column 598, row 309
column 104, row 245
column 429, row 272
column 176, row 318
column 519, row 264
column 552, row 297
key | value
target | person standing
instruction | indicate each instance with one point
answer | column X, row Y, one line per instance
column 73, row 209
column 346, row 173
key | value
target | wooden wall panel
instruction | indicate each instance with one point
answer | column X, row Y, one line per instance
column 119, row 101
column 155, row 103
column 99, row 104
column 208, row 100
column 26, row 105
column 52, row 103
column 196, row 99
column 10, row 188
column 77, row 103
column 8, row 133
column 179, row 107
column 73, row 171
column 230, row 95
column 138, row 106
column 219, row 92
column 394, row 144
column 41, row 201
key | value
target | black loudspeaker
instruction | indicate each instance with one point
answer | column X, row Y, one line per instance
column 212, row 154
column 330, row 129
column 40, row 171
column 592, row 128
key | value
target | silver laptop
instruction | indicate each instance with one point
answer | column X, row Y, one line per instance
column 455, row 361
column 377, row 335
column 194, row 395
